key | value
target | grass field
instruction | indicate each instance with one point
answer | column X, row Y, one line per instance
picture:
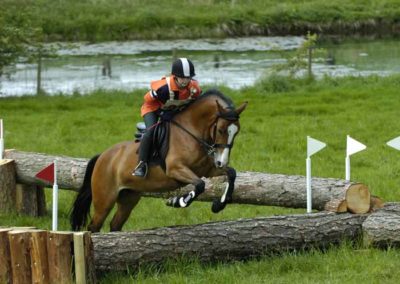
column 281, row 113
column 96, row 20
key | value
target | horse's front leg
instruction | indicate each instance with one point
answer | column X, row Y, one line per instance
column 219, row 204
column 185, row 175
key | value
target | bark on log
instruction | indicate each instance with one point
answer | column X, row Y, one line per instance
column 224, row 241
column 382, row 228
column 70, row 171
column 251, row 187
column 7, row 186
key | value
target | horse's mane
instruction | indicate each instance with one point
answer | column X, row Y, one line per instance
column 214, row 92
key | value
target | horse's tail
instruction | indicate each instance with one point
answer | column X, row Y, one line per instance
column 81, row 207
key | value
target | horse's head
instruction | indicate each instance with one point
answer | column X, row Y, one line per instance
column 224, row 131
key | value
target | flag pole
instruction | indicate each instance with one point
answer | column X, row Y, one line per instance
column 313, row 146
column 55, row 199
column 347, row 166
column 308, row 182
column 1, row 139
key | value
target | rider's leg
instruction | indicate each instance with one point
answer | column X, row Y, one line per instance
column 145, row 145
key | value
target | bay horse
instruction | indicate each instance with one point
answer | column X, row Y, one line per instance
column 199, row 143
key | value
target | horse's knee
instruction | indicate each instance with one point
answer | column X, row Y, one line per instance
column 200, row 186
column 231, row 173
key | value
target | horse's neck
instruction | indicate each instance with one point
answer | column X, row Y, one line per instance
column 199, row 118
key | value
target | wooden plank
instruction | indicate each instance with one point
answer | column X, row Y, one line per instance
column 79, row 255
column 84, row 258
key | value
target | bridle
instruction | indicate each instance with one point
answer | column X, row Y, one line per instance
column 210, row 148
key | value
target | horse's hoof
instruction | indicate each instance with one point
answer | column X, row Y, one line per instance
column 217, row 206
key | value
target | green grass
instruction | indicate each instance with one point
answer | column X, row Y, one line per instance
column 280, row 114
column 139, row 19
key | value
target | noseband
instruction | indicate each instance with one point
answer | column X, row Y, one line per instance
column 210, row 148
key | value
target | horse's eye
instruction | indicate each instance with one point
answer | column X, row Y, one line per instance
column 222, row 131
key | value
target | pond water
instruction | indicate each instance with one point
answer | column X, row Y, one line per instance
column 234, row 62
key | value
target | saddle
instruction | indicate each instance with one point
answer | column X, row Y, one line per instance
column 160, row 141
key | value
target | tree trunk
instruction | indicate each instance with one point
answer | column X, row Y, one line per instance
column 250, row 187
column 381, row 229
column 224, row 241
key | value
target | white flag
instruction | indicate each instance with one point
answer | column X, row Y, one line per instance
column 394, row 143
column 313, row 146
column 353, row 146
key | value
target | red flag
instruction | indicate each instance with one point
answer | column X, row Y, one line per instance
column 47, row 173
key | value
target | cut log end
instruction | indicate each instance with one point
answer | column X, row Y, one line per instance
column 358, row 199
column 336, row 205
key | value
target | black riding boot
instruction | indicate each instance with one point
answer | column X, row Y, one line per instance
column 145, row 146
column 144, row 151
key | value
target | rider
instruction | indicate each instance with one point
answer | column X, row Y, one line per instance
column 167, row 93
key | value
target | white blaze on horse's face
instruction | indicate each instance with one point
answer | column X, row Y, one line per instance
column 221, row 156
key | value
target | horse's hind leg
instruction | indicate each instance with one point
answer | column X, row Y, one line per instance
column 127, row 200
column 103, row 202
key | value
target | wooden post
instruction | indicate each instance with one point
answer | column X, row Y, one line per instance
column 59, row 248
column 7, row 186
column 5, row 258
column 30, row 200
column 39, row 261
column 84, row 261
column 20, row 257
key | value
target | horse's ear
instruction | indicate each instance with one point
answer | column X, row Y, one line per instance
column 241, row 108
column 220, row 108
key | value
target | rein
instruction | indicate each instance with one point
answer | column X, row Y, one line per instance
column 210, row 148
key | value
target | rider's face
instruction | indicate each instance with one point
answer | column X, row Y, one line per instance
column 182, row 82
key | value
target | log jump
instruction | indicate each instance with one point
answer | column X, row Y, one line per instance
column 250, row 187
column 210, row 242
